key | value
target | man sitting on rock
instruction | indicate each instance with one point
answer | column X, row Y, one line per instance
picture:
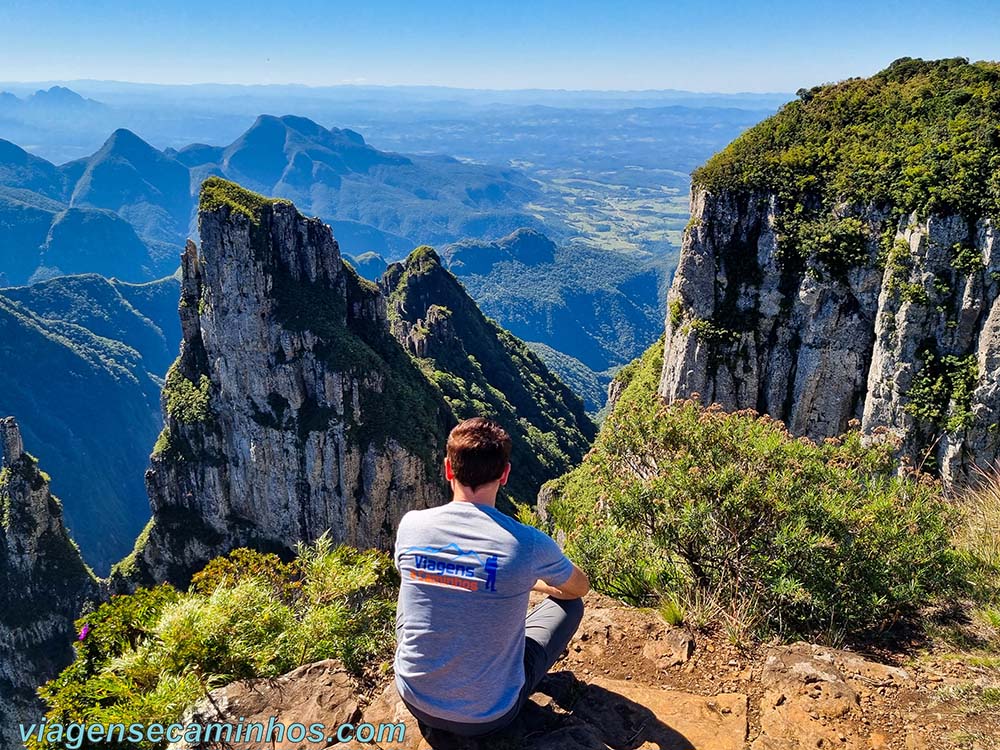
column 467, row 658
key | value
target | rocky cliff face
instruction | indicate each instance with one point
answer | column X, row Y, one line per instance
column 842, row 263
column 291, row 410
column 906, row 337
column 43, row 585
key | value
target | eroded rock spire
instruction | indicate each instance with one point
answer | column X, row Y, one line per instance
column 10, row 436
column 43, row 585
column 291, row 410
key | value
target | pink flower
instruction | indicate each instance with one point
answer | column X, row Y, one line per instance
column 83, row 632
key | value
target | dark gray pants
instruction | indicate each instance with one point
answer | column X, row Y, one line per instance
column 548, row 629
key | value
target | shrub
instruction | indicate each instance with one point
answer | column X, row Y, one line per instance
column 187, row 402
column 285, row 579
column 839, row 244
column 941, row 392
column 676, row 311
column 709, row 330
column 145, row 657
column 966, row 258
column 802, row 538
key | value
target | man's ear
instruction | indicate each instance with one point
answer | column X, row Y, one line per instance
column 448, row 473
column 505, row 475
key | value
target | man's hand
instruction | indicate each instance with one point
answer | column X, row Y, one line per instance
column 577, row 585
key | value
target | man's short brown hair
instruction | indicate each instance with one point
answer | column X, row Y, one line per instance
column 479, row 451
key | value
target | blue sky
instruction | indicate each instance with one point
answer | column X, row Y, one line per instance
column 725, row 45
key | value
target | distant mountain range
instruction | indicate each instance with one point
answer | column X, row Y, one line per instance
column 120, row 93
column 88, row 332
column 56, row 100
column 418, row 119
column 610, row 166
column 374, row 200
column 127, row 209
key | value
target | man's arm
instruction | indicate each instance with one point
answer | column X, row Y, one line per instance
column 577, row 585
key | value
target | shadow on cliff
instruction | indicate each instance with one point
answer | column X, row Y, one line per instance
column 580, row 716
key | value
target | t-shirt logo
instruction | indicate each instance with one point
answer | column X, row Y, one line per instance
column 453, row 567
column 491, row 574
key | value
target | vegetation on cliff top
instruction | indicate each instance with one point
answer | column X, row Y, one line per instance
column 920, row 135
column 681, row 503
column 217, row 192
column 145, row 657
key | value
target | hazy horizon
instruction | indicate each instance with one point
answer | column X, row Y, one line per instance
column 578, row 45
column 69, row 82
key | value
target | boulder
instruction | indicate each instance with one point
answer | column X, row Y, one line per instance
column 673, row 648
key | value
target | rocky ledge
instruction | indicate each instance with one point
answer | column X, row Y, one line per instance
column 628, row 680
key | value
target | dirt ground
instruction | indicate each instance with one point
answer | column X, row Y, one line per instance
column 932, row 697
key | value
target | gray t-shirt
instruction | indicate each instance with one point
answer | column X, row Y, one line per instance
column 466, row 573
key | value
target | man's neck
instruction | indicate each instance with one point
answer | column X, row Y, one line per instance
column 483, row 496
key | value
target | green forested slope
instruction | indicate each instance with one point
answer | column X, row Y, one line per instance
column 601, row 309
column 81, row 367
